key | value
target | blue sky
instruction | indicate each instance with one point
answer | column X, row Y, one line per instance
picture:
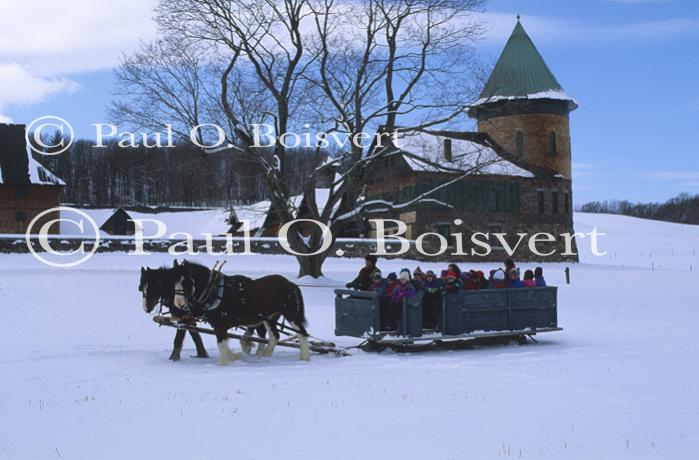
column 633, row 65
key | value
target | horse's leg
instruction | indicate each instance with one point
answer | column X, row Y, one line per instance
column 297, row 317
column 225, row 355
column 261, row 333
column 273, row 337
column 245, row 343
column 199, row 343
column 302, row 336
column 177, row 344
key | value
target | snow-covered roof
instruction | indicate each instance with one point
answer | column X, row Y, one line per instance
column 38, row 174
column 466, row 156
column 522, row 74
column 554, row 94
column 195, row 223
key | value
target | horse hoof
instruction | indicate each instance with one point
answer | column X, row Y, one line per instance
column 174, row 358
column 204, row 355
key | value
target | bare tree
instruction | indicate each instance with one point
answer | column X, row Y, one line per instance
column 371, row 66
column 381, row 63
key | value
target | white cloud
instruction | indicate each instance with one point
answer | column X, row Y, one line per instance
column 54, row 38
column 18, row 86
column 42, row 42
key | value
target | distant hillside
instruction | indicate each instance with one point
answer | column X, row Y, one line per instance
column 683, row 209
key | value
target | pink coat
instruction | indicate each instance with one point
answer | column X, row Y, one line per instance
column 529, row 283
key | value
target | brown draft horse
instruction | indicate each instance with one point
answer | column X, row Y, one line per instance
column 157, row 286
column 241, row 301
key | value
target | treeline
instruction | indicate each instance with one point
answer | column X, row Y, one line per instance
column 178, row 176
column 683, row 209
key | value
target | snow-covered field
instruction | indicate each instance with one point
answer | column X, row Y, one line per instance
column 85, row 373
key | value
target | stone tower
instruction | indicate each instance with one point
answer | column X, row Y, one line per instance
column 524, row 109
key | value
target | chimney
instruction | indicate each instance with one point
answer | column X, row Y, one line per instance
column 447, row 150
column 14, row 162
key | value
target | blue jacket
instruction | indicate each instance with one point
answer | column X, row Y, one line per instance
column 540, row 282
column 516, row 284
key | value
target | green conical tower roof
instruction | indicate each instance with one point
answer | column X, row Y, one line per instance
column 521, row 73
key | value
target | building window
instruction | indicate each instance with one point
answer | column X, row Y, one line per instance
column 566, row 203
column 540, row 199
column 552, row 143
column 554, row 202
column 21, row 216
column 519, row 143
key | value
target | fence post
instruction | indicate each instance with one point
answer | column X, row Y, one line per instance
column 567, row 271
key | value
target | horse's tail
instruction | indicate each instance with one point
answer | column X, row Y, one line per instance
column 298, row 301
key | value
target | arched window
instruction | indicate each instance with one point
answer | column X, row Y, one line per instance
column 552, row 143
column 519, row 143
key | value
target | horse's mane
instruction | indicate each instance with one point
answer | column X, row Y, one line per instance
column 195, row 264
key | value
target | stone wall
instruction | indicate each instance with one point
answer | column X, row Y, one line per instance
column 535, row 128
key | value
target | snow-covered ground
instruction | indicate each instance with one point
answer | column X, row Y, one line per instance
column 85, row 373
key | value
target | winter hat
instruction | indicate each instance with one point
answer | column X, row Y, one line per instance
column 429, row 273
column 377, row 274
column 418, row 272
column 444, row 273
column 404, row 275
column 451, row 274
column 404, row 270
column 499, row 275
column 392, row 276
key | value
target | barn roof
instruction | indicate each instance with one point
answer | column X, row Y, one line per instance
column 424, row 152
column 17, row 167
column 522, row 73
column 212, row 221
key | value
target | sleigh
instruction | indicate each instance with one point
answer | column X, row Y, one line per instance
column 490, row 315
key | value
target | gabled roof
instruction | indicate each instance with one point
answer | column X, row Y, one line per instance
column 214, row 221
column 17, row 167
column 521, row 73
column 424, row 152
